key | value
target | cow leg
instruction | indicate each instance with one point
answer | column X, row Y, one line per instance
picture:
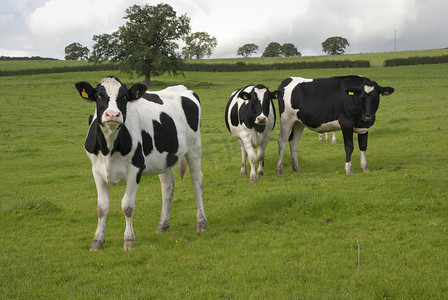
column 128, row 207
column 244, row 156
column 347, row 133
column 247, row 143
column 362, row 141
column 167, row 183
column 194, row 162
column 103, row 208
column 333, row 139
column 294, row 140
column 285, row 129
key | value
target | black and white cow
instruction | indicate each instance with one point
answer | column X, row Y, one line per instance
column 346, row 103
column 250, row 117
column 134, row 133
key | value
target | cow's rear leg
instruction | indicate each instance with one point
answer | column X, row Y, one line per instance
column 194, row 162
column 103, row 208
column 167, row 184
column 128, row 207
column 285, row 129
column 294, row 139
column 243, row 159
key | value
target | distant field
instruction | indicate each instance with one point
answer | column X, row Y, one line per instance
column 376, row 59
column 316, row 234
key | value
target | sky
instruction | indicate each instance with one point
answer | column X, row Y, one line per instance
column 45, row 27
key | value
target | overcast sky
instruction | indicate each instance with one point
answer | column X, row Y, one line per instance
column 45, row 27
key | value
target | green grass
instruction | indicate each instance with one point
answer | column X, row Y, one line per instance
column 293, row 236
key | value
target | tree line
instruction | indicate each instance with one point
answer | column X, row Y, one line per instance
column 147, row 44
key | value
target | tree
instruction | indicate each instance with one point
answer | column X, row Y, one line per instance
column 272, row 50
column 147, row 43
column 76, row 51
column 335, row 45
column 198, row 45
column 289, row 49
column 247, row 49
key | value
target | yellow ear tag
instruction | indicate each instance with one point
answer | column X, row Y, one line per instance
column 351, row 93
column 245, row 97
column 136, row 94
column 84, row 93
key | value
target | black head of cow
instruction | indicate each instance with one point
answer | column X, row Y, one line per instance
column 111, row 97
column 368, row 98
column 257, row 103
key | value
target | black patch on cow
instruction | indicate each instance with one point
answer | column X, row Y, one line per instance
column 90, row 119
column 123, row 142
column 234, row 115
column 165, row 134
column 147, row 143
column 95, row 140
column 259, row 128
column 153, row 98
column 191, row 111
column 138, row 160
column 171, row 160
column 281, row 87
column 197, row 97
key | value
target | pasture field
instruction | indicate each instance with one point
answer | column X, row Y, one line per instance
column 316, row 234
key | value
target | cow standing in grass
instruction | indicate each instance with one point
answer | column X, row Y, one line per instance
column 250, row 117
column 134, row 133
column 346, row 103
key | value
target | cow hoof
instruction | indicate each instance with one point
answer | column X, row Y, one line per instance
column 295, row 169
column 253, row 178
column 279, row 171
column 260, row 174
column 243, row 172
column 201, row 226
column 96, row 245
column 366, row 170
column 128, row 245
column 162, row 228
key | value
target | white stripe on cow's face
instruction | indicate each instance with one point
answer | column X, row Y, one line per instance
column 112, row 113
column 368, row 89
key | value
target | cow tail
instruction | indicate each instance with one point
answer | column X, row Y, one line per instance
column 182, row 167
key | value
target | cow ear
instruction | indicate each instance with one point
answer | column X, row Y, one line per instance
column 386, row 90
column 245, row 96
column 276, row 94
column 353, row 91
column 85, row 90
column 136, row 91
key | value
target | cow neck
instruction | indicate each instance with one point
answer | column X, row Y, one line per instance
column 110, row 135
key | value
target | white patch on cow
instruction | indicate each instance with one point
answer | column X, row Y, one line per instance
column 363, row 160
column 360, row 130
column 112, row 87
column 329, row 126
column 290, row 87
column 368, row 89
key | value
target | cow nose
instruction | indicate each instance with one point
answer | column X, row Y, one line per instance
column 367, row 118
column 112, row 116
column 261, row 120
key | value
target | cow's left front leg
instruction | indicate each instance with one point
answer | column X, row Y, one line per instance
column 347, row 133
column 128, row 207
column 362, row 141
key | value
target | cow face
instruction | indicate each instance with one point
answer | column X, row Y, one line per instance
column 257, row 102
column 368, row 97
column 111, row 97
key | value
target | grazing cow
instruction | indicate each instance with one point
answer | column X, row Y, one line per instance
column 333, row 139
column 250, row 117
column 346, row 103
column 134, row 133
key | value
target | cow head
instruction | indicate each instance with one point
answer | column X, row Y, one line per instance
column 258, row 100
column 111, row 97
column 368, row 97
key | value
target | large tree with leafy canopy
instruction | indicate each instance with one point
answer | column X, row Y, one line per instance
column 199, row 44
column 335, row 45
column 148, row 42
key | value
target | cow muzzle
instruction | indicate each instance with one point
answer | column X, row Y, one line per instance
column 367, row 118
column 261, row 120
column 113, row 117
